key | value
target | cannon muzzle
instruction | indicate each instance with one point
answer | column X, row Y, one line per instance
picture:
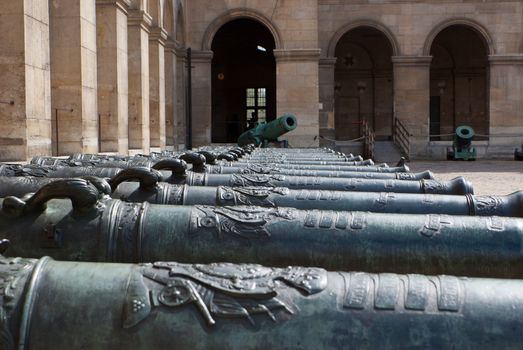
column 263, row 133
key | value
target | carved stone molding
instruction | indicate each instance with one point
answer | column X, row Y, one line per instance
column 139, row 18
column 299, row 55
column 328, row 62
column 202, row 56
column 507, row 60
column 123, row 5
column 411, row 61
column 158, row 34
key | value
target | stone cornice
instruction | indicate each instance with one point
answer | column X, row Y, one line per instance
column 123, row 5
column 180, row 51
column 328, row 61
column 409, row 61
column 508, row 60
column 170, row 45
column 158, row 34
column 139, row 18
column 297, row 55
column 202, row 56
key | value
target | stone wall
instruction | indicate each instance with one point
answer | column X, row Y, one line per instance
column 92, row 75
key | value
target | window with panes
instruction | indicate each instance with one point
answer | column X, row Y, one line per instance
column 256, row 105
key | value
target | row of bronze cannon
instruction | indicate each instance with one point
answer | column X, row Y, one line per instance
column 407, row 235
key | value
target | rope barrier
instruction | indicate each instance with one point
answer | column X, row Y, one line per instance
column 342, row 141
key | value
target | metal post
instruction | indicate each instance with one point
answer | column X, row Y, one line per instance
column 188, row 116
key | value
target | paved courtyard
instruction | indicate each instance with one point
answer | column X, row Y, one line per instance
column 487, row 176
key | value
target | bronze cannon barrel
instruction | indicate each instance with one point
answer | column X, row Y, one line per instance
column 149, row 189
column 87, row 228
column 276, row 169
column 310, row 162
column 302, row 157
column 380, row 169
column 457, row 186
column 18, row 170
column 56, row 305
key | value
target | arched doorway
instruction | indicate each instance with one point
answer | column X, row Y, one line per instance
column 363, row 87
column 243, row 78
column 458, row 81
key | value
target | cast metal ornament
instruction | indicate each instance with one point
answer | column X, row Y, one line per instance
column 240, row 222
column 256, row 180
column 256, row 195
column 13, row 274
column 219, row 290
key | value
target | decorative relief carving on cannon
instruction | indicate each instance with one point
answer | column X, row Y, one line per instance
column 243, row 222
column 256, row 180
column 250, row 195
column 219, row 290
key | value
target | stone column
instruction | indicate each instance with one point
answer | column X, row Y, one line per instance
column 412, row 99
column 326, row 76
column 138, row 51
column 201, row 97
column 170, row 95
column 73, row 76
column 506, row 102
column 180, row 97
column 25, row 90
column 157, row 40
column 111, row 34
column 297, row 92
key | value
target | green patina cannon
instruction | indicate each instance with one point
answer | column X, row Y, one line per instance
column 462, row 146
column 311, row 162
column 276, row 169
column 329, row 167
column 91, row 227
column 150, row 189
column 263, row 133
column 47, row 304
column 32, row 170
column 457, row 186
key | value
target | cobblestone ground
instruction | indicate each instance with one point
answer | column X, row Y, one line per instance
column 488, row 177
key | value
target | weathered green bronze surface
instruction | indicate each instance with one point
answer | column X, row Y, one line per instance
column 49, row 304
column 457, row 186
column 94, row 229
column 302, row 156
column 263, row 133
column 56, row 171
column 308, row 162
column 150, row 189
column 276, row 169
column 462, row 146
column 380, row 169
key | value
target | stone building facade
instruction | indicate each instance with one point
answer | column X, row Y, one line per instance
column 113, row 75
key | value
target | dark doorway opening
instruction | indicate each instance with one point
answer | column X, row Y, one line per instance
column 459, row 76
column 363, row 83
column 243, row 78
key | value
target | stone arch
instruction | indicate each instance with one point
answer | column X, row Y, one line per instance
column 180, row 25
column 154, row 8
column 228, row 16
column 363, row 23
column 168, row 18
column 472, row 24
